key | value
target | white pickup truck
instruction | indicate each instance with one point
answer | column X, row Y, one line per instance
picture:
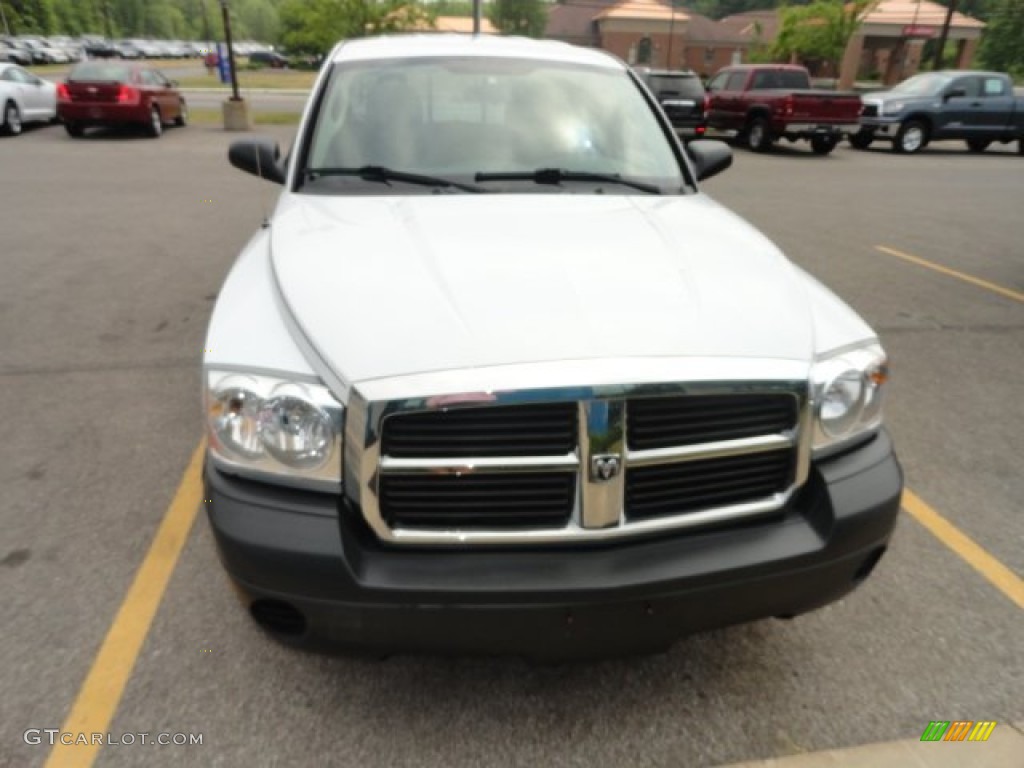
column 496, row 377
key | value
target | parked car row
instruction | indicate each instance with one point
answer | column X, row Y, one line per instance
column 137, row 48
column 33, row 49
column 95, row 93
column 764, row 103
column 29, row 50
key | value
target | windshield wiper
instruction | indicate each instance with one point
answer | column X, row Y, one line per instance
column 380, row 173
column 558, row 175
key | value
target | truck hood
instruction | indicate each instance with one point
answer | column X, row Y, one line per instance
column 390, row 286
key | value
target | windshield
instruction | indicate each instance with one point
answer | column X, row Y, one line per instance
column 923, row 85
column 100, row 72
column 460, row 118
column 676, row 85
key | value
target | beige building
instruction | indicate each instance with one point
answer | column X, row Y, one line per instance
column 889, row 42
column 892, row 35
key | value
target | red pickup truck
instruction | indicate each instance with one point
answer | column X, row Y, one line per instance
column 765, row 102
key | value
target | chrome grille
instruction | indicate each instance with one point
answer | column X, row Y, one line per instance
column 508, row 501
column 661, row 422
column 677, row 489
column 544, row 429
column 869, row 110
column 574, row 464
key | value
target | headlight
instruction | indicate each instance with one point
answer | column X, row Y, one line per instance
column 279, row 430
column 848, row 389
column 892, row 107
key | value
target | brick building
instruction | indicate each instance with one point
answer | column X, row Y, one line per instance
column 650, row 33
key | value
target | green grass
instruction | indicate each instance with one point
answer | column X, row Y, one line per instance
column 51, row 69
column 214, row 117
column 258, row 79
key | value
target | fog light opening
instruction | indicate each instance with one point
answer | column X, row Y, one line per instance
column 278, row 617
column 868, row 565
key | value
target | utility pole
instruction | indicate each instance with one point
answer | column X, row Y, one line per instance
column 941, row 48
column 477, row 12
column 231, row 51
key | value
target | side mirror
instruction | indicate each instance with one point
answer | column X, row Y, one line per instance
column 172, row 84
column 259, row 156
column 709, row 157
column 955, row 93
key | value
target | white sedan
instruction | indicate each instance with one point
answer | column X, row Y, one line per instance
column 24, row 98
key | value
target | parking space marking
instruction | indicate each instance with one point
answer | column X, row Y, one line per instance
column 1005, row 580
column 100, row 694
column 994, row 287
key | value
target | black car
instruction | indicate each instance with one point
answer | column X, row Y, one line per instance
column 268, row 59
column 682, row 97
column 100, row 49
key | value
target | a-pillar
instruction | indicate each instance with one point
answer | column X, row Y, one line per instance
column 850, row 66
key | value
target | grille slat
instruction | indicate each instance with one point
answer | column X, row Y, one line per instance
column 479, row 501
column 692, row 486
column 694, row 419
column 506, row 430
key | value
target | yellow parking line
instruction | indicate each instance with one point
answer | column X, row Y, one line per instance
column 101, row 692
column 1001, row 577
column 1001, row 290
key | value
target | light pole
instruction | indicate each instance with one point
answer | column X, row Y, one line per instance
column 236, row 111
column 477, row 12
column 231, row 51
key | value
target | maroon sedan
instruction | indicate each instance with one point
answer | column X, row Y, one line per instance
column 114, row 93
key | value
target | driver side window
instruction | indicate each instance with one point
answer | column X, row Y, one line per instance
column 717, row 83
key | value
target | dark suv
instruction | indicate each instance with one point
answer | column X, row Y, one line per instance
column 681, row 94
column 268, row 59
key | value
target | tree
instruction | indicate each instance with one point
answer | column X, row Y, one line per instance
column 519, row 17
column 1002, row 47
column 819, row 31
column 314, row 26
column 259, row 19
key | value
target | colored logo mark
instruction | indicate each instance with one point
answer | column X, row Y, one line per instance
column 958, row 730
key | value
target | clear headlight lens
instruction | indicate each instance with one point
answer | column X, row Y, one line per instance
column 892, row 107
column 233, row 413
column 282, row 431
column 848, row 390
column 294, row 430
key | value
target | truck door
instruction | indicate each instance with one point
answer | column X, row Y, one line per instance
column 956, row 119
column 991, row 120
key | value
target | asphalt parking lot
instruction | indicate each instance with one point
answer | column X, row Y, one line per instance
column 112, row 251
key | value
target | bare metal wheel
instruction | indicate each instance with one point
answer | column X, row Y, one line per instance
column 911, row 137
column 759, row 138
column 182, row 119
column 156, row 123
column 12, row 119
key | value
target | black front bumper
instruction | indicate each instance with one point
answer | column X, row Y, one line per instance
column 307, row 565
